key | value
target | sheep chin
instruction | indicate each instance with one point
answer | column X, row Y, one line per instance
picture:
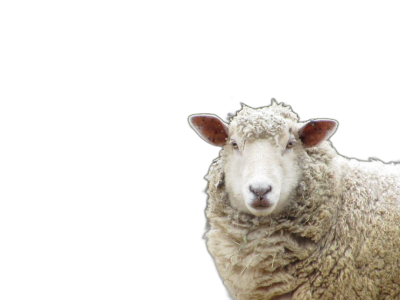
column 261, row 212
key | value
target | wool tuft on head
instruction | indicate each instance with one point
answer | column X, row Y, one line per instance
column 261, row 122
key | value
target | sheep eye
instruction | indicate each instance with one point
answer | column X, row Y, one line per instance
column 234, row 144
column 290, row 144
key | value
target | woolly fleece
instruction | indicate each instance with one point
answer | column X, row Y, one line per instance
column 339, row 239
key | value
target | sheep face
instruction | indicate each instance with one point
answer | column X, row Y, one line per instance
column 261, row 174
column 262, row 153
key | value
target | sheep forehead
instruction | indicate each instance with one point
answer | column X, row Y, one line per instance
column 263, row 122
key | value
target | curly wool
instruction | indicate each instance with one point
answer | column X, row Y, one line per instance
column 340, row 238
column 256, row 123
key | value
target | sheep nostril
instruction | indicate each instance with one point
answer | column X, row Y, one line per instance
column 260, row 191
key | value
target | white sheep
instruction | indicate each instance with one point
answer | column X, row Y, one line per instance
column 291, row 219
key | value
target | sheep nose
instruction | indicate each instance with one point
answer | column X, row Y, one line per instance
column 260, row 191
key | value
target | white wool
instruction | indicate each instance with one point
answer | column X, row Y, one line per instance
column 338, row 237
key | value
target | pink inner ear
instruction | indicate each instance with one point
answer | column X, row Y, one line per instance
column 210, row 128
column 315, row 132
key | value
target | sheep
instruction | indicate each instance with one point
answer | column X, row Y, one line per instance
column 290, row 218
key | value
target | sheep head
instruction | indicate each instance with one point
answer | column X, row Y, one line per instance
column 262, row 149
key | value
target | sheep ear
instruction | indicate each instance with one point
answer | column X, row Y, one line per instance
column 315, row 132
column 210, row 128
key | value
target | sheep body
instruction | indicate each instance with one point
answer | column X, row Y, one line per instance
column 338, row 239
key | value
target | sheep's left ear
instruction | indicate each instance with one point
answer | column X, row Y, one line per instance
column 314, row 132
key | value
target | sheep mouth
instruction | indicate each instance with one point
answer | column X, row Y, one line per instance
column 261, row 204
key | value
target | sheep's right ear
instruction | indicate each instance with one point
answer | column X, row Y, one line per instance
column 210, row 128
column 314, row 132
